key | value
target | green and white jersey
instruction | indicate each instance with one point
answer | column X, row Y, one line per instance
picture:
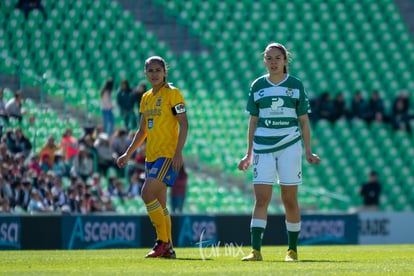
column 278, row 108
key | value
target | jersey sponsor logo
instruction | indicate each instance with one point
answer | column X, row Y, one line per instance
column 152, row 112
column 153, row 171
column 277, row 106
column 277, row 103
column 150, row 123
column 179, row 109
column 269, row 123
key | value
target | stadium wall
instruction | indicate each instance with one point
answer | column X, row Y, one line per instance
column 115, row 231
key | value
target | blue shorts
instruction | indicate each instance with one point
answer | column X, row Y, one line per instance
column 161, row 169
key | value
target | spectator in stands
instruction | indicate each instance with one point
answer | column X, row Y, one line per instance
column 59, row 167
column 375, row 109
column 34, row 165
column 178, row 191
column 104, row 152
column 400, row 115
column 370, row 192
column 339, row 107
column 325, row 108
column 74, row 199
column 107, row 106
column 119, row 145
column 126, row 101
column 5, row 205
column 36, row 204
column 59, row 193
column 358, row 107
column 69, row 145
column 21, row 143
column 83, row 164
column 135, row 185
column 119, row 190
column 21, row 193
column 51, row 148
column 5, row 153
column 138, row 92
column 14, row 106
column 95, row 185
column 27, row 6
column 45, row 163
column 107, row 205
column 5, row 188
column 88, row 143
column 49, row 201
column 3, row 111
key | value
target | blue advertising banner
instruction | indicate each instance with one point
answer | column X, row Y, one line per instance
column 198, row 231
column 10, row 232
column 329, row 229
column 95, row 232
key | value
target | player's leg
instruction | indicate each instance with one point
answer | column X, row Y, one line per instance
column 290, row 176
column 162, row 198
column 150, row 192
column 293, row 223
column 154, row 192
column 265, row 172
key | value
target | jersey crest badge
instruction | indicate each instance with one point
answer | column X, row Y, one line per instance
column 158, row 103
column 289, row 92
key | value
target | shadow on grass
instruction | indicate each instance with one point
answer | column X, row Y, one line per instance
column 190, row 259
column 311, row 261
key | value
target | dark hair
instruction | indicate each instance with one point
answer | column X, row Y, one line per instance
column 108, row 86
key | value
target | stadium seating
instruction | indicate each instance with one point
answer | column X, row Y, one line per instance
column 335, row 47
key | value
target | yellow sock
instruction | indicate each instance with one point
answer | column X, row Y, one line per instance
column 156, row 215
column 167, row 219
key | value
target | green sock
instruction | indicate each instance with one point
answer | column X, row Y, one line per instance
column 293, row 240
column 257, row 237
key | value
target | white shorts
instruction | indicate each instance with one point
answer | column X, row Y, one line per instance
column 283, row 167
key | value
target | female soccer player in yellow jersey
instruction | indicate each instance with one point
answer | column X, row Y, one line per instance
column 164, row 125
column 278, row 108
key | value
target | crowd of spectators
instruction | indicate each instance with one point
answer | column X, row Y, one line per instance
column 373, row 109
column 67, row 176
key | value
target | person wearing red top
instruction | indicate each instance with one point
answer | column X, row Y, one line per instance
column 69, row 145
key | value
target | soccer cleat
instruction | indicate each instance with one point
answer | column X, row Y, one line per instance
column 169, row 254
column 291, row 256
column 159, row 249
column 253, row 256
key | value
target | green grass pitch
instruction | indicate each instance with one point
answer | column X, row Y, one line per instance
column 314, row 260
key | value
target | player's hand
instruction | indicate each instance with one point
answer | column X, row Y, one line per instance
column 122, row 160
column 313, row 158
column 177, row 162
column 245, row 163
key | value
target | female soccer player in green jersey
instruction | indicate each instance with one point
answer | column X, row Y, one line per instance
column 164, row 126
column 278, row 108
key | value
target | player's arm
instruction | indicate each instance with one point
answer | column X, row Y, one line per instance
column 182, row 137
column 138, row 139
column 247, row 159
column 306, row 136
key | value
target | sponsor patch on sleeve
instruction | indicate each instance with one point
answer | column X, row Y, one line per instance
column 178, row 109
